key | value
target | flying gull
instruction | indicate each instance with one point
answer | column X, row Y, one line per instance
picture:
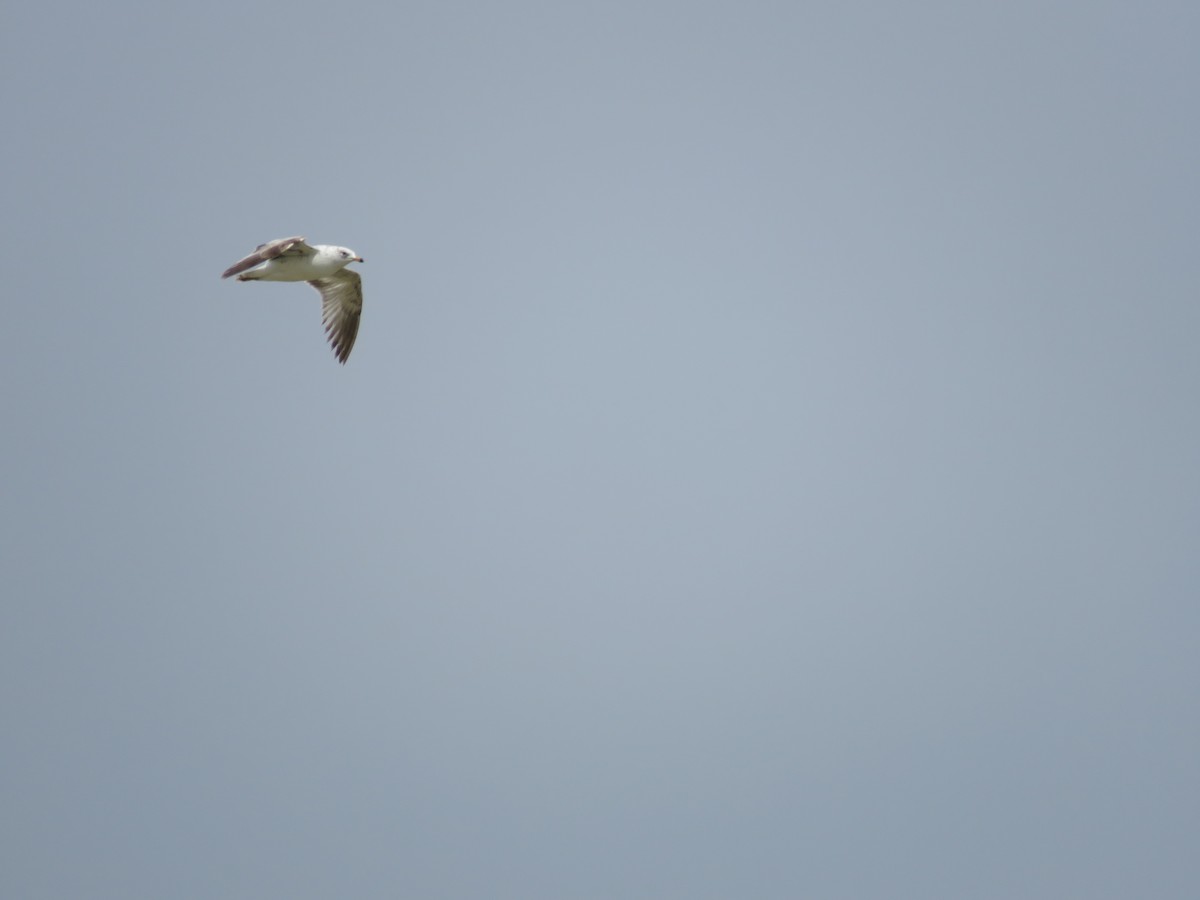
column 322, row 266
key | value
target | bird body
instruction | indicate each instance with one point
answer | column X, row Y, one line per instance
column 324, row 267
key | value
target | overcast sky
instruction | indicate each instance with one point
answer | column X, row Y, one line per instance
column 768, row 467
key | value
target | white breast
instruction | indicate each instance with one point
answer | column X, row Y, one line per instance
column 325, row 262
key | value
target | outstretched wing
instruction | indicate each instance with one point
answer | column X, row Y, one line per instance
column 341, row 308
column 293, row 246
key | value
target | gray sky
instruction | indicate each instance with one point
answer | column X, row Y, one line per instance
column 767, row 468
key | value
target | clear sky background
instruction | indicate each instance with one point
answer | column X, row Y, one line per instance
column 768, row 467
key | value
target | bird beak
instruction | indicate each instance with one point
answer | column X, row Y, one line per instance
column 359, row 259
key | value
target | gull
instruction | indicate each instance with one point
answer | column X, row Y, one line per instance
column 322, row 266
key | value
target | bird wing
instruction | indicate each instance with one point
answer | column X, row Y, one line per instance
column 293, row 246
column 341, row 308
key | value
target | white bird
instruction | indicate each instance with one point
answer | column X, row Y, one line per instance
column 322, row 266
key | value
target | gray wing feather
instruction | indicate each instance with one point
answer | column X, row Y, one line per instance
column 293, row 246
column 341, row 309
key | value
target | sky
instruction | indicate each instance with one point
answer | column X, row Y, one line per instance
column 767, row 467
